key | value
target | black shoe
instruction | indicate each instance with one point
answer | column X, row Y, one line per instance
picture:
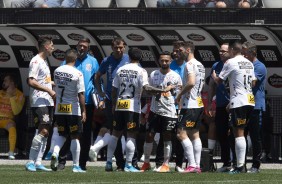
column 119, row 169
column 83, row 167
column 238, row 170
column 61, row 166
column 136, row 166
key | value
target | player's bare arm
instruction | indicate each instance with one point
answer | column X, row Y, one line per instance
column 32, row 82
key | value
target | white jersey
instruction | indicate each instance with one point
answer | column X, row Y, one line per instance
column 129, row 81
column 240, row 73
column 39, row 70
column 164, row 104
column 69, row 82
column 193, row 99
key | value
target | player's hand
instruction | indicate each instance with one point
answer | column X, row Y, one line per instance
column 168, row 88
column 101, row 105
column 102, row 94
column 52, row 94
column 83, row 117
column 177, row 99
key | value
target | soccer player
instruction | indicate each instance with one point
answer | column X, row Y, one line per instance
column 88, row 66
column 255, row 122
column 41, row 100
column 11, row 104
column 221, row 114
column 162, row 117
column 192, row 108
column 178, row 65
column 70, row 108
column 109, row 66
column 241, row 77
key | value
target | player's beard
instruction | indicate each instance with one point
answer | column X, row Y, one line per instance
column 81, row 54
column 165, row 67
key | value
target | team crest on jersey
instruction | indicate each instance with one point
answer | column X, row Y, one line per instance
column 88, row 67
column 131, row 125
column 190, row 124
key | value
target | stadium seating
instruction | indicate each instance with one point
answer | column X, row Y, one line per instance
column 150, row 3
column 7, row 3
column 127, row 3
column 99, row 3
column 272, row 3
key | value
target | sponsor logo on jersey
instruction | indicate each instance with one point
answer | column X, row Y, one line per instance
column 240, row 121
column 4, row 57
column 75, row 36
column 196, row 37
column 131, row 125
column 64, row 108
column 59, row 55
column 258, row 37
column 16, row 37
column 135, row 37
column 275, row 81
column 73, row 128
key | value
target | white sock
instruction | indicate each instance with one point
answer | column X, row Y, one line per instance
column 75, row 151
column 240, row 149
column 188, row 151
column 123, row 144
column 101, row 143
column 148, row 147
column 167, row 151
column 211, row 144
column 111, row 148
column 35, row 147
column 197, row 145
column 41, row 152
column 98, row 139
column 157, row 138
column 55, row 135
column 130, row 148
column 59, row 142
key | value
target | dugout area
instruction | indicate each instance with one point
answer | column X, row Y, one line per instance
column 152, row 30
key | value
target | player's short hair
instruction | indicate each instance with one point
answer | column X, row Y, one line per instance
column 42, row 41
column 118, row 40
column 250, row 46
column 70, row 55
column 165, row 53
column 235, row 45
column 84, row 39
column 188, row 44
column 135, row 54
column 177, row 43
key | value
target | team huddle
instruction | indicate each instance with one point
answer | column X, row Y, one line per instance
column 175, row 109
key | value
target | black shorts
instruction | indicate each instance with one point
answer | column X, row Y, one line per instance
column 69, row 125
column 109, row 115
column 240, row 116
column 42, row 115
column 158, row 123
column 126, row 120
column 190, row 118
